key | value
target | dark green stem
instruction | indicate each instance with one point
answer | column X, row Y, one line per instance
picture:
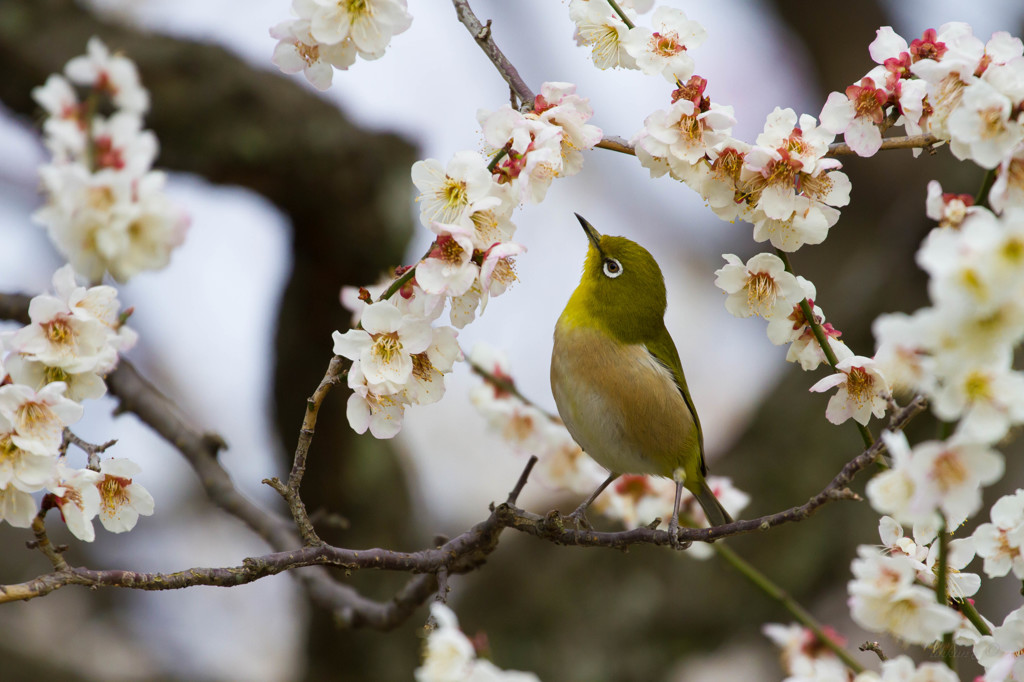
column 497, row 157
column 826, row 347
column 764, row 583
column 403, row 279
column 971, row 613
column 622, row 15
column 942, row 593
column 986, row 186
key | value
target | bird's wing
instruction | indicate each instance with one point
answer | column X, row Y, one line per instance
column 663, row 349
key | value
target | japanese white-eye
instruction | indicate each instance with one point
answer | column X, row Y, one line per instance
column 617, row 379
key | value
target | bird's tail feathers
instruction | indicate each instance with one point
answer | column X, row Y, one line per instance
column 713, row 509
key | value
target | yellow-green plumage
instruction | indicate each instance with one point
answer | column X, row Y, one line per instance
column 616, row 375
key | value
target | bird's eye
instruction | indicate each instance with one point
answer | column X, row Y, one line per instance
column 612, row 267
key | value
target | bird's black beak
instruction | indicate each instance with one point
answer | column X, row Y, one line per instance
column 593, row 235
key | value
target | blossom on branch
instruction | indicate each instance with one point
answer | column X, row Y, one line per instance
column 863, row 391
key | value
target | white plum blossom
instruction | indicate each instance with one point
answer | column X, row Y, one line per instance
column 808, row 224
column 999, row 653
column 683, row 133
column 17, row 507
column 863, row 391
column 885, row 598
column 449, row 269
column 598, row 26
column 987, row 398
column 665, row 49
column 38, row 417
column 890, row 491
column 369, row 24
column 105, row 210
column 380, row 413
column 77, row 495
column 948, row 209
column 1001, row 542
column 857, row 114
column 385, row 345
column 948, row 475
column 497, row 271
column 57, row 338
column 22, row 469
column 1008, row 188
column 447, row 192
column 761, row 286
column 426, row 385
column 903, row 669
column 984, row 127
column 298, row 51
column 122, row 500
column 559, row 105
column 450, row 656
column 110, row 73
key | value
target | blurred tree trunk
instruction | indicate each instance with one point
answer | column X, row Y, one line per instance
column 347, row 193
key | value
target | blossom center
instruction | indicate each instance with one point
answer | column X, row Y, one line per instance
column 860, row 385
column 666, row 44
column 950, row 471
column 762, row 291
column 453, row 198
column 32, row 415
column 114, row 493
column 1013, row 250
column 309, row 53
column 386, row 346
column 422, row 368
column 7, row 448
column 357, row 7
column 992, row 123
column 977, row 387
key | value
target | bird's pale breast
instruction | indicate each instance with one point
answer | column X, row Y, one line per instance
column 620, row 404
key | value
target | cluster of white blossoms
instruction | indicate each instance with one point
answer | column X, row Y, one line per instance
column 632, row 500
column 330, row 34
column 50, row 366
column 399, row 357
column 106, row 210
column 450, row 656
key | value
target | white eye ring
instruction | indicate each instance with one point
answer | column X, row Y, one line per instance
column 612, row 268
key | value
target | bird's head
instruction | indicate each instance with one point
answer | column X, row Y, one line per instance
column 622, row 285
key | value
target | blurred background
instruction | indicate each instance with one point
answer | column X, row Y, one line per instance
column 294, row 193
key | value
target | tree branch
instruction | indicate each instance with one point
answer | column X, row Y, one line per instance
column 462, row 554
column 482, row 35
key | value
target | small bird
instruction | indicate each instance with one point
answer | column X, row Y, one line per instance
column 617, row 379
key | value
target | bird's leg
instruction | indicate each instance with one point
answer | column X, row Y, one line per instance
column 679, row 476
column 579, row 516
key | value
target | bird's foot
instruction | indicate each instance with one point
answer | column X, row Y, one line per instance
column 673, row 535
column 578, row 518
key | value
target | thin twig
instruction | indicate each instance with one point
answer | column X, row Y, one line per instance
column 91, row 450
column 482, row 35
column 874, row 648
